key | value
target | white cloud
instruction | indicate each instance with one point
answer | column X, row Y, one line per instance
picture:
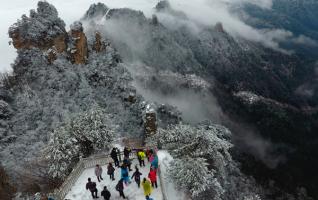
column 304, row 40
column 261, row 3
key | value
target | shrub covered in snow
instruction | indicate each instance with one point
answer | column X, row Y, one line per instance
column 194, row 148
column 203, row 164
column 91, row 130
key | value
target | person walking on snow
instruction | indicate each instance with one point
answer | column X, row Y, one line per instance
column 127, row 163
column 114, row 156
column 153, row 177
column 151, row 157
column 155, row 163
column 91, row 186
column 105, row 193
column 120, row 188
column 141, row 158
column 125, row 174
column 98, row 172
column 146, row 185
column 127, row 152
column 137, row 175
column 111, row 171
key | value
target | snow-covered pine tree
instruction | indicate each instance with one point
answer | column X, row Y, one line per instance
column 195, row 149
column 61, row 151
column 86, row 132
column 95, row 127
column 203, row 164
column 185, row 170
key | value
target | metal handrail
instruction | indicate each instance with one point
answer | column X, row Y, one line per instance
column 90, row 162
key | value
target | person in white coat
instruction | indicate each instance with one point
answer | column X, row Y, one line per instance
column 98, row 172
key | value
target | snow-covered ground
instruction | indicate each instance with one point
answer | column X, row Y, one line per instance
column 132, row 192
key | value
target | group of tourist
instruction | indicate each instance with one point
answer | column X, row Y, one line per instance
column 147, row 183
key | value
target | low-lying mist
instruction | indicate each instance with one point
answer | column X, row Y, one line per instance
column 189, row 93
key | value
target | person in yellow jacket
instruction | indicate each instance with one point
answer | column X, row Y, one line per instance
column 146, row 185
column 141, row 158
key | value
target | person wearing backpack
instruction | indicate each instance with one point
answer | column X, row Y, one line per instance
column 91, row 186
column 105, row 193
column 120, row 188
column 137, row 175
column 111, row 171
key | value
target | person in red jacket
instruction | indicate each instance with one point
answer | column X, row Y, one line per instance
column 153, row 177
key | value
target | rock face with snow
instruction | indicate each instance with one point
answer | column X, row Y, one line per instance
column 150, row 121
column 219, row 27
column 43, row 29
column 99, row 44
column 78, row 48
column 95, row 11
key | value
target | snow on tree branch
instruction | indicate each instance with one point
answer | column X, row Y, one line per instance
column 91, row 130
column 194, row 149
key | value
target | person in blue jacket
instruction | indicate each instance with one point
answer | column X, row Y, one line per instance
column 155, row 163
column 125, row 174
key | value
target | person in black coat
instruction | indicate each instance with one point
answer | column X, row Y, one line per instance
column 114, row 156
column 137, row 175
column 91, row 186
column 105, row 193
column 127, row 152
column 120, row 188
column 111, row 171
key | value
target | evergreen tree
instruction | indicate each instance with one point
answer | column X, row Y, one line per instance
column 86, row 132
column 194, row 149
column 203, row 164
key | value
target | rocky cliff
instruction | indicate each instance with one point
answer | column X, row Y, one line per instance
column 78, row 44
column 43, row 29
